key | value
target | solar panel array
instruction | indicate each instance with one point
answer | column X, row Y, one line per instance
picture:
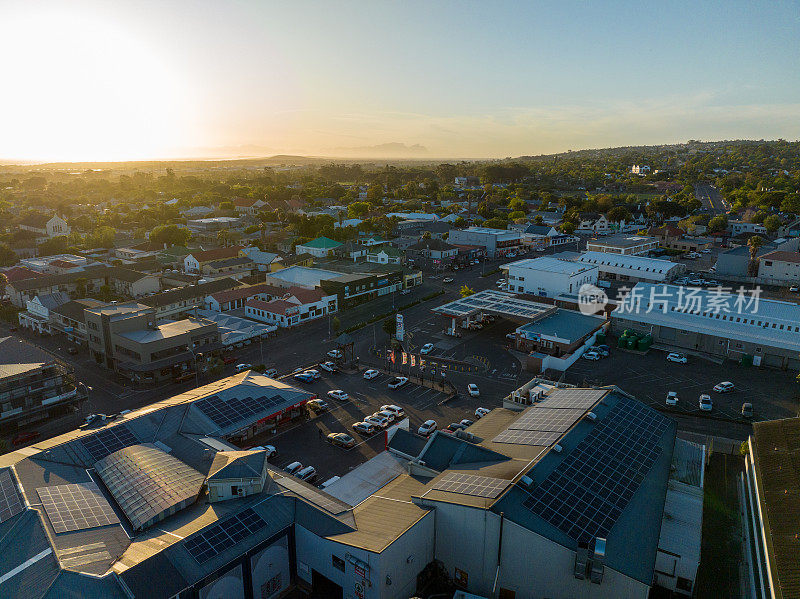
column 107, row 441
column 10, row 500
column 225, row 413
column 319, row 499
column 539, row 425
column 472, row 484
column 581, row 399
column 517, row 437
column 147, row 483
column 76, row 507
column 493, row 301
column 588, row 491
column 224, row 534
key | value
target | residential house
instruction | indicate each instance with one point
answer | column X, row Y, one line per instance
column 432, row 251
column 186, row 299
column 37, row 316
column 249, row 206
column 320, row 247
column 737, row 227
column 236, row 268
column 384, row 254
column 592, row 222
column 262, row 260
column 779, row 268
column 194, row 262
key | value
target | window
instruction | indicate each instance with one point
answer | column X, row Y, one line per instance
column 338, row 562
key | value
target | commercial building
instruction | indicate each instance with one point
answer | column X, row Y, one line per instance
column 632, row 268
column 779, row 267
column 37, row 316
column 207, row 229
column 624, row 245
column 34, row 386
column 235, row 332
column 69, row 320
column 295, row 306
column 498, row 242
column 548, row 277
column 741, row 327
column 587, row 496
column 184, row 300
column 127, row 339
column 232, row 299
column 771, row 486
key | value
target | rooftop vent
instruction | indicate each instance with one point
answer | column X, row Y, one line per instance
column 557, row 448
column 591, row 416
column 526, row 480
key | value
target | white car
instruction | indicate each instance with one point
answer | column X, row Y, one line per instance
column 426, row 349
column 313, row 373
column 481, row 412
column 338, row 394
column 371, row 373
column 328, row 366
column 397, row 382
column 396, row 410
column 724, row 387
column 679, row 358
column 243, row 367
column 390, row 416
column 379, row 421
column 473, row 390
column 270, row 449
column 447, row 280
column 705, row 403
column 365, row 428
column 335, row 354
column 427, row 427
column 672, row 398
column 591, row 355
column 794, row 289
column 706, row 250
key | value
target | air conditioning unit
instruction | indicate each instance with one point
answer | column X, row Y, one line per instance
column 591, row 416
column 557, row 448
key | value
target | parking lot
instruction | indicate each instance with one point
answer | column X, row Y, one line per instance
column 649, row 377
column 305, row 442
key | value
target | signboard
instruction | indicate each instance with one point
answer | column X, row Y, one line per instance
column 359, row 589
column 405, row 357
column 412, row 359
column 360, row 572
column 400, row 329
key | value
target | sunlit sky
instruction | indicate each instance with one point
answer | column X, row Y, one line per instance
column 117, row 80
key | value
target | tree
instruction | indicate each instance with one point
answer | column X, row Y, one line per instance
column 618, row 214
column 358, row 209
column 754, row 244
column 517, row 215
column 170, row 235
column 3, row 283
column 426, row 235
column 718, row 224
column 80, row 287
column 390, row 326
column 101, row 237
column 8, row 257
column 55, row 245
column 568, row 227
column 336, row 324
column 466, row 291
column 772, row 223
column 538, row 220
column 227, row 207
column 106, row 293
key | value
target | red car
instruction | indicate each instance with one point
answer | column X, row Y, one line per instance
column 22, row 438
column 229, row 359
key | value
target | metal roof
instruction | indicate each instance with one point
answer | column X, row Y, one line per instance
column 494, row 302
column 548, row 264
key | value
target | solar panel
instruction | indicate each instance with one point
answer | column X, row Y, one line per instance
column 226, row 413
column 472, row 484
column 224, row 534
column 517, row 437
column 581, row 399
column 10, row 500
column 543, row 419
column 588, row 491
column 319, row 499
column 107, row 441
column 76, row 507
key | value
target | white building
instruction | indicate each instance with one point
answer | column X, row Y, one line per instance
column 632, row 268
column 779, row 268
column 297, row 306
column 591, row 222
column 45, row 225
column 628, row 245
column 548, row 277
column 737, row 227
column 497, row 242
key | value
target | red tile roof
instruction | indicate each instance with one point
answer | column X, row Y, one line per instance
column 244, row 202
column 217, row 254
column 19, row 273
column 63, row 264
column 275, row 306
column 781, row 256
column 306, row 296
column 224, row 297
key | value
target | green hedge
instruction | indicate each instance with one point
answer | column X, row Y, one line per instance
column 378, row 317
column 491, row 272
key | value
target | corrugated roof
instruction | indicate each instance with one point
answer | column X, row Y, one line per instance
column 237, row 464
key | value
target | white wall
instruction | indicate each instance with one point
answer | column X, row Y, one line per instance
column 548, row 283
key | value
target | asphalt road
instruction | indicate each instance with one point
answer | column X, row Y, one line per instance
column 711, row 198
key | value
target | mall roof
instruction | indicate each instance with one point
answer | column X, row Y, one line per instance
column 303, row 275
column 548, row 264
column 633, row 263
column 622, row 241
column 706, row 311
column 490, row 301
column 567, row 325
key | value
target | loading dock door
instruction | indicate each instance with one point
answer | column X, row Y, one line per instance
column 323, row 587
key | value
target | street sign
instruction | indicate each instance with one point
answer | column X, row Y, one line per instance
column 400, row 329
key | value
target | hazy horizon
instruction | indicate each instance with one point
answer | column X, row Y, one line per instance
column 100, row 81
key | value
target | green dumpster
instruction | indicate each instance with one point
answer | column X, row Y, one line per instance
column 747, row 360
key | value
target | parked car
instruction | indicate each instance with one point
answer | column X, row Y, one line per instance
column 405, row 292
column 270, row 449
column 705, row 402
column 473, row 390
column 341, row 440
column 591, row 355
column 675, row 357
column 426, row 349
column 397, row 382
column 672, row 398
column 396, row 410
column 387, row 414
column 511, row 336
column 338, row 394
column 293, row 468
column 365, row 428
column 603, row 350
column 271, row 372
column 475, row 326
column 427, row 427
column 724, row 387
column 681, row 281
column 455, row 426
column 379, row 421
column 229, row 360
column 747, row 410
column 481, row 412
column 794, row 289
column 26, row 437
column 328, row 366
column 447, row 280
column 243, row 367
column 303, row 377
column 371, row 373
column 308, row 473
column 314, row 373
column 335, row 354
column 467, row 422
column 317, row 405
column 706, row 250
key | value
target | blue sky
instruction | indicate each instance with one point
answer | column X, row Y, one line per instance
column 462, row 79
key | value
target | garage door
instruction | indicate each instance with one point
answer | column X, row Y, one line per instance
column 772, row 360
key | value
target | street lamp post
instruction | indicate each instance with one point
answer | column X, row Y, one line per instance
column 196, row 368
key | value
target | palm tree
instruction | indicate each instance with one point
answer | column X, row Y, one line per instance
column 3, row 283
column 223, row 237
column 754, row 244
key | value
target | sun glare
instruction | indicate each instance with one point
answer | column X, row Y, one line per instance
column 80, row 89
